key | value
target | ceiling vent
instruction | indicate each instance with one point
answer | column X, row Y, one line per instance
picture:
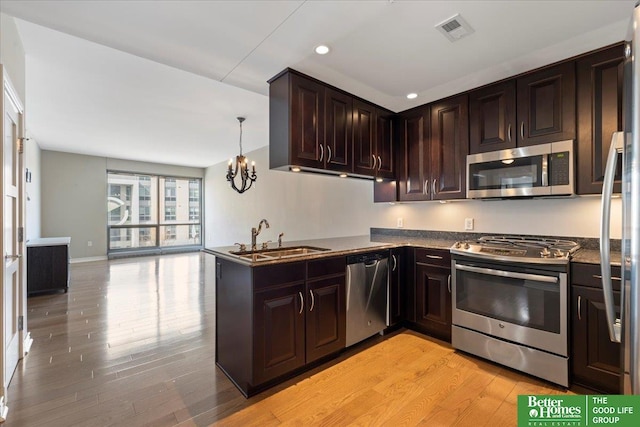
column 454, row 28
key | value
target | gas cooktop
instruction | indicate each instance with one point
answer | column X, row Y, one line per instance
column 520, row 249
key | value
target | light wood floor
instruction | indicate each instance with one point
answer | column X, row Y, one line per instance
column 133, row 342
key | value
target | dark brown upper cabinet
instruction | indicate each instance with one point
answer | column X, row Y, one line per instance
column 372, row 140
column 599, row 86
column 336, row 151
column 310, row 124
column 449, row 148
column 414, row 159
column 492, row 117
column 546, row 105
column 364, row 137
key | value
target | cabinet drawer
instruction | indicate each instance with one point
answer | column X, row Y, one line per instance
column 433, row 257
column 326, row 267
column 590, row 275
column 278, row 274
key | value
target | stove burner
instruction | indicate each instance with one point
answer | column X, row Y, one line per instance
column 522, row 249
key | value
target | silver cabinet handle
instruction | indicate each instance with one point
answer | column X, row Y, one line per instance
column 449, row 283
column 374, row 162
column 329, row 154
column 434, row 256
column 395, row 262
column 579, row 306
column 425, row 190
column 379, row 162
column 512, row 274
column 599, row 277
column 321, row 152
column 522, row 130
column 313, row 300
column 433, row 186
column 301, row 302
column 12, row 256
column 613, row 323
column 509, row 132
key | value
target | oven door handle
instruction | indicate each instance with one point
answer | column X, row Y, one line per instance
column 510, row 274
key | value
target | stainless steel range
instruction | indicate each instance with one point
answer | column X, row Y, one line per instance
column 510, row 302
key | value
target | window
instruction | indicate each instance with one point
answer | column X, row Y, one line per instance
column 194, row 213
column 170, row 232
column 170, row 213
column 147, row 211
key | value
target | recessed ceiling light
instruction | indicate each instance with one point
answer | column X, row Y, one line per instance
column 412, row 95
column 322, row 49
column 295, row 169
column 378, row 179
column 343, row 175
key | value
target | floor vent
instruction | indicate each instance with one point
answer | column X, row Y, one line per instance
column 455, row 28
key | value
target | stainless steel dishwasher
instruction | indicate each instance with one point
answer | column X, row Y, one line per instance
column 367, row 295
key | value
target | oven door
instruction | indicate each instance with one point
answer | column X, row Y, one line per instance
column 524, row 305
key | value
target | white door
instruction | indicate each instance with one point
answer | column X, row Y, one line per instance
column 12, row 246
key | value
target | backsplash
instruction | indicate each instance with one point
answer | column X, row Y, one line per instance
column 584, row 242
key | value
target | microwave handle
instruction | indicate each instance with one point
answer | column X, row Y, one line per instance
column 617, row 142
column 545, row 170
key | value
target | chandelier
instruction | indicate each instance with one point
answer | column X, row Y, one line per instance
column 241, row 169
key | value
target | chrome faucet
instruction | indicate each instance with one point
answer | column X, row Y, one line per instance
column 256, row 231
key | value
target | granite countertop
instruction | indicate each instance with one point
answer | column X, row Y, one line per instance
column 389, row 238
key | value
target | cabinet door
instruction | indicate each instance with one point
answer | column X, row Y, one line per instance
column 338, row 131
column 433, row 300
column 307, row 122
column 599, row 82
column 492, row 118
column 326, row 317
column 547, row 105
column 278, row 331
column 384, row 144
column 449, row 148
column 364, row 138
column 596, row 360
column 414, row 134
column 397, row 286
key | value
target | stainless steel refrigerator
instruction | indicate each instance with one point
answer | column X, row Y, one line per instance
column 625, row 147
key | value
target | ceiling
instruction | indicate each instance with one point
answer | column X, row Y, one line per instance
column 163, row 81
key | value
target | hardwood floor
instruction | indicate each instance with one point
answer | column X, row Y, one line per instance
column 133, row 343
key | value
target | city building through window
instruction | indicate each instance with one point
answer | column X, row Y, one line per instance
column 150, row 211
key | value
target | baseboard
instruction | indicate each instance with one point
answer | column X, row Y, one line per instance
column 88, row 259
column 26, row 345
column 3, row 410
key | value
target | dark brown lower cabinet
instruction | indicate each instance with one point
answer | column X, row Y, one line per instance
column 433, row 292
column 47, row 268
column 596, row 362
column 397, row 280
column 272, row 321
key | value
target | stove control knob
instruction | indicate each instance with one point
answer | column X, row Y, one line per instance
column 457, row 245
column 466, row 245
column 545, row 253
column 558, row 253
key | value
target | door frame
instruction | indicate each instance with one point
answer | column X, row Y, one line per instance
column 24, row 337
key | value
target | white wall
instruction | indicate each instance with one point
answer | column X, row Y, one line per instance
column 303, row 206
column 34, row 199
column 576, row 217
column 12, row 54
column 306, row 206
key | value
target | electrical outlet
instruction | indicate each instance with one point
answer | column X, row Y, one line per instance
column 468, row 223
column 400, row 222
column 89, row 243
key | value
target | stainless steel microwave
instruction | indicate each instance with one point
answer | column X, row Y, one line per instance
column 538, row 170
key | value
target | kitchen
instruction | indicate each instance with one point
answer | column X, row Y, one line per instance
column 309, row 207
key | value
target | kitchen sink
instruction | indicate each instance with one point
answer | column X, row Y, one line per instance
column 264, row 254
